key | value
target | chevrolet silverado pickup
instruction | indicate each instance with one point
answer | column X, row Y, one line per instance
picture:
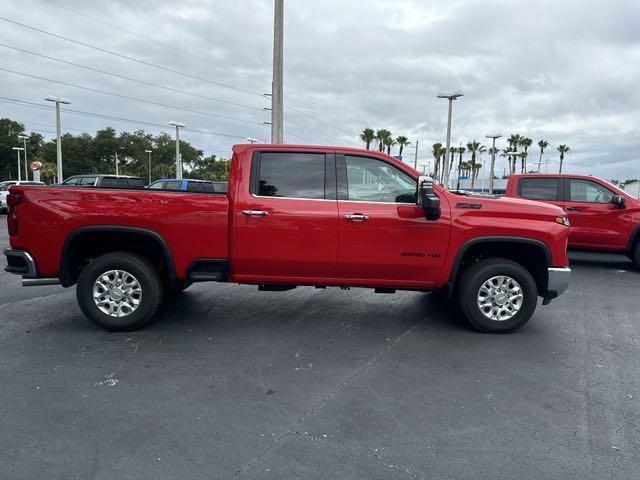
column 293, row 216
column 603, row 217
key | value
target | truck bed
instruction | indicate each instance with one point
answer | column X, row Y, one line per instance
column 193, row 225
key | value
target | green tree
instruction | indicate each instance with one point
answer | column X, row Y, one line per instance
column 563, row 149
column 368, row 136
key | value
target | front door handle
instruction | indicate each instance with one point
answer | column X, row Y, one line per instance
column 573, row 209
column 255, row 213
column 356, row 217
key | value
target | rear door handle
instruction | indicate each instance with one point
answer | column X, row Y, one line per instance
column 573, row 209
column 356, row 217
column 255, row 213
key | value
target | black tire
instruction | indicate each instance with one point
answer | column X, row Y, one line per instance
column 636, row 256
column 147, row 277
column 181, row 285
column 480, row 272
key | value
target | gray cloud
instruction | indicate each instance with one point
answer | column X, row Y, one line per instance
column 565, row 71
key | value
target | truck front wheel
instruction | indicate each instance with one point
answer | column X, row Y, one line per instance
column 119, row 291
column 497, row 295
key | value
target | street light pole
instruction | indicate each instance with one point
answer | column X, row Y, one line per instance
column 178, row 126
column 18, row 149
column 415, row 158
column 24, row 137
column 149, row 152
column 277, row 132
column 493, row 159
column 451, row 97
column 58, row 101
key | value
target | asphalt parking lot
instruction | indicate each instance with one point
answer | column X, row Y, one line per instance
column 232, row 383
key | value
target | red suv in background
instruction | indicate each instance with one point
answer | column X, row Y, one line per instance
column 602, row 216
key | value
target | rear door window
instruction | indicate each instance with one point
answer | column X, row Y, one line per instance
column 87, row 181
column 173, row 185
column 114, row 182
column 291, row 175
column 195, row 187
column 539, row 188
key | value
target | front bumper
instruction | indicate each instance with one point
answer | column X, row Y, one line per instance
column 558, row 280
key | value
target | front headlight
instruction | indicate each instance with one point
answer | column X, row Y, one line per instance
column 563, row 221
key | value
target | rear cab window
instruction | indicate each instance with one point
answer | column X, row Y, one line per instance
column 539, row 188
column 290, row 175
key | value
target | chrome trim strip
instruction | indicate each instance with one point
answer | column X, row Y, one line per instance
column 334, row 200
column 34, row 282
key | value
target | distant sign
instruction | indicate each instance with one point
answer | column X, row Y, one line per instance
column 464, row 178
column 36, row 165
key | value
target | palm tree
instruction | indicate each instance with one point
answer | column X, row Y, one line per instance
column 368, row 136
column 524, row 143
column 542, row 144
column 474, row 148
column 562, row 149
column 513, row 141
column 437, row 153
column 461, row 151
column 380, row 138
column 403, row 142
column 390, row 143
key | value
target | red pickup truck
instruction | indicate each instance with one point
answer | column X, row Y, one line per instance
column 602, row 216
column 293, row 216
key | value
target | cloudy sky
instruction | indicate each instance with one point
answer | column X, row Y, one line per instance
column 565, row 71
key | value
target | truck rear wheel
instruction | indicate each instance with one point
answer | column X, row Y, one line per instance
column 497, row 295
column 636, row 255
column 119, row 291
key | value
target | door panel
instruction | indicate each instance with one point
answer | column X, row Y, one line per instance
column 277, row 236
column 394, row 243
column 383, row 242
column 595, row 221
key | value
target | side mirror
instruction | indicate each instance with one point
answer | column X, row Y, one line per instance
column 618, row 200
column 427, row 198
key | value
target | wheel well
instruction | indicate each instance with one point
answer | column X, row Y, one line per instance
column 634, row 239
column 531, row 255
column 86, row 244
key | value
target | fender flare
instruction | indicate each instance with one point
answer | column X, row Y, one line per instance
column 455, row 267
column 66, row 279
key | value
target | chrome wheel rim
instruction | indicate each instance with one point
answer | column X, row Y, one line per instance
column 500, row 298
column 117, row 293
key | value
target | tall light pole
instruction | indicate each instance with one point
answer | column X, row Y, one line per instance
column 58, row 101
column 252, row 140
column 415, row 158
column 493, row 159
column 178, row 126
column 24, row 137
column 149, row 152
column 451, row 97
column 19, row 149
column 277, row 132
